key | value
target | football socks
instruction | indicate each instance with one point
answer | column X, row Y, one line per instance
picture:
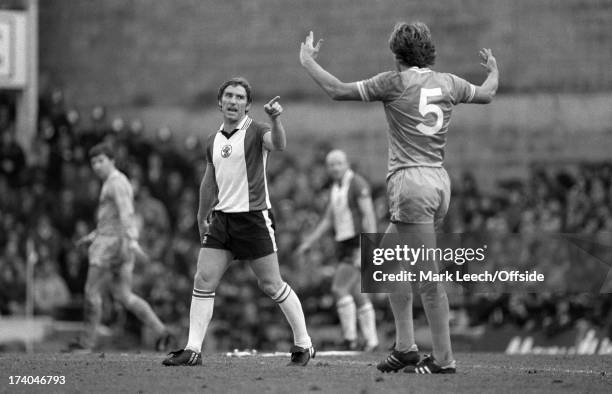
column 347, row 314
column 200, row 313
column 367, row 323
column 290, row 304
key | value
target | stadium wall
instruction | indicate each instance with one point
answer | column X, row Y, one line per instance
column 148, row 52
column 163, row 61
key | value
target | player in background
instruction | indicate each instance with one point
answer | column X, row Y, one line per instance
column 418, row 103
column 234, row 195
column 112, row 251
column 349, row 213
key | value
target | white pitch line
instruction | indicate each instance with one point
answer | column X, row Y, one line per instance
column 326, row 353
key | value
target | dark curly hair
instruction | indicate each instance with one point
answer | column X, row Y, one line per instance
column 411, row 44
column 236, row 81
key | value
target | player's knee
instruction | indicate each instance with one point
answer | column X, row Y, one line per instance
column 91, row 292
column 402, row 297
column 270, row 287
column 339, row 290
column 93, row 298
column 361, row 299
column 203, row 281
column 432, row 292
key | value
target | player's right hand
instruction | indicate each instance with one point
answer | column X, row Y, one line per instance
column 488, row 60
column 273, row 108
column 203, row 227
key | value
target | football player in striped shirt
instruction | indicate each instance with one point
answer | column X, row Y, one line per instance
column 349, row 213
column 234, row 197
column 418, row 103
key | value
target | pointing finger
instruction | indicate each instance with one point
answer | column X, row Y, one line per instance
column 274, row 100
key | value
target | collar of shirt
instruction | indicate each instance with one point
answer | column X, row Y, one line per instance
column 240, row 126
column 420, row 70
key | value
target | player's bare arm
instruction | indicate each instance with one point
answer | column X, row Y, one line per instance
column 484, row 93
column 276, row 139
column 324, row 226
column 366, row 206
column 208, row 191
column 331, row 85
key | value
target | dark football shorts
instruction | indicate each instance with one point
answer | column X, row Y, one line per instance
column 248, row 235
column 348, row 251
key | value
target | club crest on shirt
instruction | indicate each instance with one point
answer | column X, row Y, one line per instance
column 226, row 151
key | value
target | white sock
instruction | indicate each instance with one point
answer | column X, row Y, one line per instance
column 290, row 304
column 347, row 313
column 367, row 323
column 201, row 311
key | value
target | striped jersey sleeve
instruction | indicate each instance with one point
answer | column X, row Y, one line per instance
column 262, row 129
column 209, row 147
column 359, row 188
column 378, row 88
column 461, row 90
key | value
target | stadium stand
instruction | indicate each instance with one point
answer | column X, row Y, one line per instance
column 51, row 201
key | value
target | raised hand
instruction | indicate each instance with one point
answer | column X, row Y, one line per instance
column 488, row 60
column 308, row 50
column 273, row 108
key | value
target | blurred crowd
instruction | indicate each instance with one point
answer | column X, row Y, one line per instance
column 557, row 222
column 48, row 200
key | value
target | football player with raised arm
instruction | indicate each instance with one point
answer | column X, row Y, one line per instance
column 418, row 103
column 234, row 197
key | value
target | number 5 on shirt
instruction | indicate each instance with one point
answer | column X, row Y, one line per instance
column 425, row 108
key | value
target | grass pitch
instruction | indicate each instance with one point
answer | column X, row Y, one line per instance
column 264, row 373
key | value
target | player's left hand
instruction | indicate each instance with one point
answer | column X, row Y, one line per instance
column 273, row 108
column 488, row 60
column 308, row 50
